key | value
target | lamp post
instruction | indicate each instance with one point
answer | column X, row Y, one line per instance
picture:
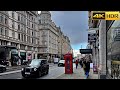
column 61, row 48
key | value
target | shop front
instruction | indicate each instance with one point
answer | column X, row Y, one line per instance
column 23, row 56
column 113, row 51
column 14, row 57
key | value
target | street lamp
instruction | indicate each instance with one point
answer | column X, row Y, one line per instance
column 61, row 49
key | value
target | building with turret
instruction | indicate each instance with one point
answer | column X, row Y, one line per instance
column 52, row 41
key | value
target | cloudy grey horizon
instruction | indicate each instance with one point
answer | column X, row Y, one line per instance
column 74, row 24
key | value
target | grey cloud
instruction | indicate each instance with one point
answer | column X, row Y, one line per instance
column 73, row 23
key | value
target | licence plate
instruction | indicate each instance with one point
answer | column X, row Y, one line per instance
column 27, row 73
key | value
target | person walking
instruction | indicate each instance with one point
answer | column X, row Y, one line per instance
column 84, row 66
column 76, row 63
column 87, row 67
column 81, row 62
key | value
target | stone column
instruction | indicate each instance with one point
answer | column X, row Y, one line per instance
column 26, row 49
column 32, row 53
column 0, row 42
column 94, row 56
column 35, row 55
column 9, row 43
column 18, row 47
column 102, row 50
column 97, row 56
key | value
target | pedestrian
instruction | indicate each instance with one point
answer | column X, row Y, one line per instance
column 87, row 67
column 81, row 62
column 76, row 63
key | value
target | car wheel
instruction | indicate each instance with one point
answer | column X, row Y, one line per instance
column 1, row 71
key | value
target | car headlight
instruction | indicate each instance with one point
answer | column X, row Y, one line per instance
column 22, row 69
column 35, row 69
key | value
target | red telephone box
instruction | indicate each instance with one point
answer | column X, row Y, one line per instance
column 68, row 63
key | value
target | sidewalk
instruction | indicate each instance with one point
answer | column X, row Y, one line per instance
column 78, row 74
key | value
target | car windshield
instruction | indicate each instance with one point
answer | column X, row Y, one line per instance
column 35, row 62
column 62, row 61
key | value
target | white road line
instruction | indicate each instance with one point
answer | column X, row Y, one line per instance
column 10, row 72
column 57, row 76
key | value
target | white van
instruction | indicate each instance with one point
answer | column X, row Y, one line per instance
column 56, row 60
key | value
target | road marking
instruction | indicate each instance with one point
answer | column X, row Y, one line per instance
column 10, row 72
column 56, row 76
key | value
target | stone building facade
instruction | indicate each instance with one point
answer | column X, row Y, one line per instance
column 52, row 41
column 35, row 35
column 19, row 29
column 99, row 45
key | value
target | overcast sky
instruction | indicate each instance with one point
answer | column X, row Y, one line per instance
column 74, row 24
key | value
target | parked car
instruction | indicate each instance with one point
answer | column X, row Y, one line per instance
column 56, row 60
column 2, row 68
column 61, row 63
column 37, row 67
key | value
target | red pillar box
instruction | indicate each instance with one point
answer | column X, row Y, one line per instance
column 68, row 63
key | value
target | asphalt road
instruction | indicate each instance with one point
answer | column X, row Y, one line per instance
column 54, row 72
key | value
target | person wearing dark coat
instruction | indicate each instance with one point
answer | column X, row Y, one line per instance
column 81, row 63
column 86, row 67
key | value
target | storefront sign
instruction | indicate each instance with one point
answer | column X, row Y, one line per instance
column 22, row 53
column 86, row 51
column 14, row 51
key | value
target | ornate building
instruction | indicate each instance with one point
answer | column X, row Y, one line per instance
column 52, row 42
column 20, row 29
